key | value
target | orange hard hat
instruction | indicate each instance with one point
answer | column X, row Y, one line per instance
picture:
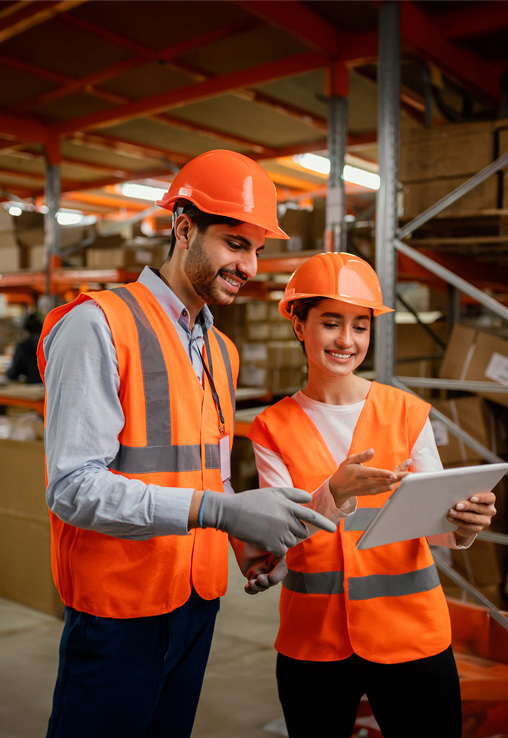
column 226, row 183
column 338, row 276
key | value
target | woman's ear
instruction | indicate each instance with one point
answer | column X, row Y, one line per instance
column 182, row 228
column 298, row 327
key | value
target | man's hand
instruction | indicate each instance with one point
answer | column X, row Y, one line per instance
column 352, row 479
column 270, row 518
column 473, row 515
column 261, row 568
column 264, row 581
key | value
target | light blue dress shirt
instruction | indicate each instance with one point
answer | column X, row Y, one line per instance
column 84, row 418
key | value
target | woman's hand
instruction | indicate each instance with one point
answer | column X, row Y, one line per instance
column 473, row 515
column 352, row 479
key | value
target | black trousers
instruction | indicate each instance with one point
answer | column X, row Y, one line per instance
column 133, row 678
column 417, row 698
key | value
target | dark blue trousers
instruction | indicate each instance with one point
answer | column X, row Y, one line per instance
column 136, row 678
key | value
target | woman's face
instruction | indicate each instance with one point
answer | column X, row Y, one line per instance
column 336, row 336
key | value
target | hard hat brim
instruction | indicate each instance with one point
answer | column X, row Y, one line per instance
column 285, row 305
column 272, row 230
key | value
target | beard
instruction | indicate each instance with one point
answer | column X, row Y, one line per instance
column 204, row 277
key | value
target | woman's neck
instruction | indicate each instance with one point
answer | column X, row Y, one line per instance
column 338, row 391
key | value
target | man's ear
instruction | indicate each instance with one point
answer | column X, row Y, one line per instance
column 182, row 228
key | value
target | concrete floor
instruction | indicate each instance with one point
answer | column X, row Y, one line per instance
column 239, row 696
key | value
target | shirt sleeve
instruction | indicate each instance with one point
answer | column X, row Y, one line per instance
column 84, row 417
column 426, row 458
column 274, row 473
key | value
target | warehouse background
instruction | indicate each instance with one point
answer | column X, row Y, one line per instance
column 101, row 103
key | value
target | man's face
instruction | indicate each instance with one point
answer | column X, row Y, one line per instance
column 221, row 259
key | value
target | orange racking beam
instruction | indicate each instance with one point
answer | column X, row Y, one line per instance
column 474, row 21
column 295, row 18
column 23, row 128
column 23, row 16
column 428, row 38
column 201, row 90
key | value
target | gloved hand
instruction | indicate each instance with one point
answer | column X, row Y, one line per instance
column 262, row 569
column 270, row 518
column 264, row 581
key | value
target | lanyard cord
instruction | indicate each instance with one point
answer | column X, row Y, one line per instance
column 209, row 374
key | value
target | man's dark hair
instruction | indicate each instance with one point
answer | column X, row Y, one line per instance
column 201, row 219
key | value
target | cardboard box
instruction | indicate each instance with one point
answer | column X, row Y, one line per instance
column 470, row 414
column 447, row 151
column 418, row 196
column 25, row 553
column 10, row 259
column 477, row 356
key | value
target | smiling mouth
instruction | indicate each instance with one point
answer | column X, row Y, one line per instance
column 336, row 355
column 233, row 281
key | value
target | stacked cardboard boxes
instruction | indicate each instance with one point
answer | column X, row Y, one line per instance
column 305, row 227
column 270, row 355
column 477, row 355
column 9, row 251
column 433, row 162
column 25, row 558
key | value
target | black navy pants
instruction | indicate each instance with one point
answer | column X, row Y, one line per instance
column 135, row 678
column 417, row 698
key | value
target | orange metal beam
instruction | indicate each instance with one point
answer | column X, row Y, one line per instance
column 106, row 200
column 201, row 90
column 429, row 39
column 28, row 15
column 125, row 147
column 297, row 19
column 474, row 21
column 23, row 128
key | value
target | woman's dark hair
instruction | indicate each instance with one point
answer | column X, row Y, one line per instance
column 201, row 219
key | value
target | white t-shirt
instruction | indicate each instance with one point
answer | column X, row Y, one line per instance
column 336, row 424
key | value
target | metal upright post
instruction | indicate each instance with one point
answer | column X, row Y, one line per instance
column 51, row 226
column 338, row 84
column 388, row 84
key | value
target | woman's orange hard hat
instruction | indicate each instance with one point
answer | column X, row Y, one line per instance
column 337, row 276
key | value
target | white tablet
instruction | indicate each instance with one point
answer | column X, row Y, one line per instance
column 419, row 505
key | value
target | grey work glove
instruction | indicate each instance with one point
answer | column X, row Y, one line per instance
column 269, row 579
column 261, row 568
column 269, row 518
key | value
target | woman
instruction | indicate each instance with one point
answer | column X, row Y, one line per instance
column 353, row 622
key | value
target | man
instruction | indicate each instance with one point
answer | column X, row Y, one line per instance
column 139, row 427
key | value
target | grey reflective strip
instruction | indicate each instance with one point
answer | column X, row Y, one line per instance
column 363, row 588
column 393, row 585
column 323, row 582
column 361, row 518
column 155, row 375
column 227, row 364
column 146, row 459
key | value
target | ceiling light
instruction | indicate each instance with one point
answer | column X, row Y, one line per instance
column 15, row 210
column 142, row 192
column 354, row 175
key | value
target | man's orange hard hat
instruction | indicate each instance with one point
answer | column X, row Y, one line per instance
column 338, row 276
column 226, row 183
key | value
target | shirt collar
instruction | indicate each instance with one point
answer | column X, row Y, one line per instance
column 172, row 305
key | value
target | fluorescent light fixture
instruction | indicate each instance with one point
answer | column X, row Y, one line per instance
column 314, row 162
column 142, row 192
column 321, row 164
column 15, row 210
column 74, row 217
column 362, row 177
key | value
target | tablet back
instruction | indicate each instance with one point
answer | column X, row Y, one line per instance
column 419, row 506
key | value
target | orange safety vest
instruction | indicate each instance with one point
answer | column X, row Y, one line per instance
column 170, row 438
column 385, row 604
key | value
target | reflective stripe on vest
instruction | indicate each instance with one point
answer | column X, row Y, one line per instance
column 154, row 456
column 363, row 588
